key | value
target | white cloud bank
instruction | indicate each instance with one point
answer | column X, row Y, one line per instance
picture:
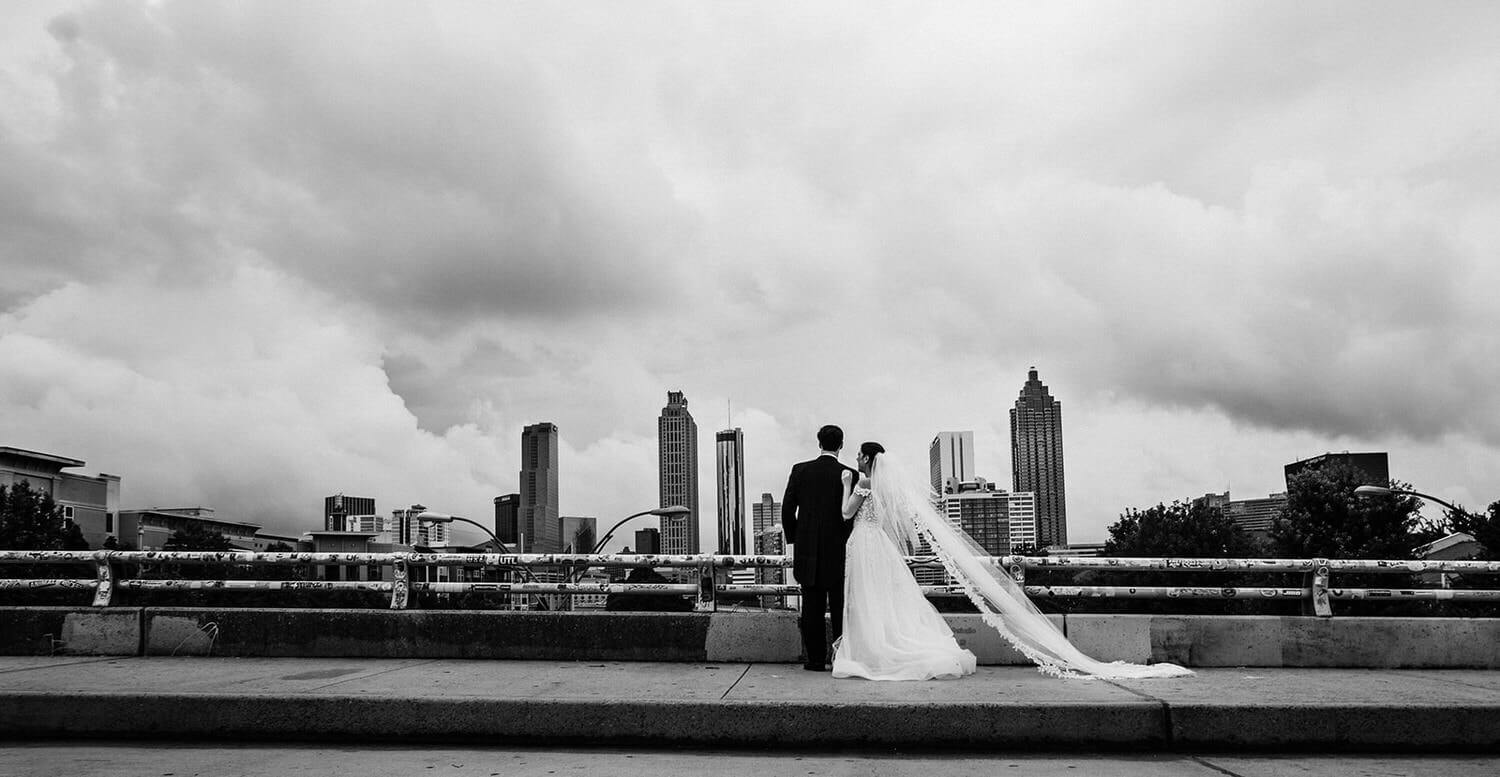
column 256, row 254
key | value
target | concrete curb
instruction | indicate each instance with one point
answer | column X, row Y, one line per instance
column 1032, row 726
column 1142, row 726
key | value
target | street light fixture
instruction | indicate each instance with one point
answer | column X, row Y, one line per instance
column 664, row 512
column 432, row 517
column 1373, row 491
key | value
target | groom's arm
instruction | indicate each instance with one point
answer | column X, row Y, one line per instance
column 789, row 508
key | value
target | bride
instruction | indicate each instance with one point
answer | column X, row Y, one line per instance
column 891, row 631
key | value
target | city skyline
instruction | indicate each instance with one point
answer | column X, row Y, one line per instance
column 248, row 268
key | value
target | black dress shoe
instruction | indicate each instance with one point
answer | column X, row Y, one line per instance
column 811, row 667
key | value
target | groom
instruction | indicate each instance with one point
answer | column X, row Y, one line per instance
column 812, row 515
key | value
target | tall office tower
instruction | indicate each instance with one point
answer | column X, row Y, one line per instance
column 342, row 513
column 764, row 517
column 539, row 511
column 951, row 458
column 677, row 440
column 647, row 540
column 1036, row 458
column 508, row 518
column 730, row 447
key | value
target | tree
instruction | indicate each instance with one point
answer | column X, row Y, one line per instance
column 1028, row 549
column 1179, row 530
column 1324, row 519
column 1483, row 527
column 196, row 537
column 31, row 520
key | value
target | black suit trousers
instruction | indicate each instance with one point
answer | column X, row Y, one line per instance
column 818, row 601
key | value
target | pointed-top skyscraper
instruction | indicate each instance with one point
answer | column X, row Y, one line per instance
column 1036, row 456
column 677, row 441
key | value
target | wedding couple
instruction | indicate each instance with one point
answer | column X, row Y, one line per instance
column 849, row 529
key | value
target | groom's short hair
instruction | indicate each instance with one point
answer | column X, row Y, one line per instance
column 831, row 438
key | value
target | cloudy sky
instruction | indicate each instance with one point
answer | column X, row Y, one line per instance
column 258, row 253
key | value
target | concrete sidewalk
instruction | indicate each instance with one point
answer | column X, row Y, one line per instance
column 739, row 705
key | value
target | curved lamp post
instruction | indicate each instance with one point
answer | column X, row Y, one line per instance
column 664, row 512
column 1371, row 491
column 432, row 517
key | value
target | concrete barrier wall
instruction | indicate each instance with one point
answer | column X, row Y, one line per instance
column 772, row 637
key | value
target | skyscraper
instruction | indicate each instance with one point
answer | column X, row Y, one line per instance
column 539, row 513
column 730, row 449
column 951, row 457
column 677, row 441
column 1036, row 456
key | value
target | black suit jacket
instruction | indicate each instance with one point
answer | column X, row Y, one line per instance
column 812, row 514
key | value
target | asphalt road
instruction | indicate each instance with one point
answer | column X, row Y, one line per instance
column 98, row 759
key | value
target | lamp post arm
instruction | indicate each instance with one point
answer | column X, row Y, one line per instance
column 1451, row 507
column 484, row 529
column 607, row 535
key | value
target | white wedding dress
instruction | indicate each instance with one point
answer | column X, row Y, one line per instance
column 891, row 631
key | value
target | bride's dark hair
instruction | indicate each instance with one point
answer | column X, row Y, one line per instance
column 871, row 449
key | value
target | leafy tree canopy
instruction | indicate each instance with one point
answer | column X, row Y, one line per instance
column 1483, row 527
column 197, row 537
column 1323, row 518
column 1182, row 530
column 31, row 520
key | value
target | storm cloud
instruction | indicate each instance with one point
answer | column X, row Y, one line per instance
column 256, row 253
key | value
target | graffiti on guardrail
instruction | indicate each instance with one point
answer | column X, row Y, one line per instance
column 558, row 574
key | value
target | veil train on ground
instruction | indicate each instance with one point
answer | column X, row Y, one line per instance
column 906, row 510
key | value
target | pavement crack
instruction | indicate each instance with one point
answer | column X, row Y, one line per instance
column 1215, row 767
column 58, row 664
column 315, row 689
column 736, row 682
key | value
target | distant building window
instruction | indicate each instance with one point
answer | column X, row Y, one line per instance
column 68, row 512
column 109, row 522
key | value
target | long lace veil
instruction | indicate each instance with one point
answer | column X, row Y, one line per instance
column 905, row 506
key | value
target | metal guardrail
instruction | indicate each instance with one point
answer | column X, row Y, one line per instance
column 1316, row 592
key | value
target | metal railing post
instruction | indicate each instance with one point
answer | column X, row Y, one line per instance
column 401, row 588
column 706, row 589
column 104, row 590
column 1317, row 580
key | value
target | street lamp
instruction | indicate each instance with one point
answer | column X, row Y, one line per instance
column 1372, row 491
column 664, row 512
column 432, row 517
